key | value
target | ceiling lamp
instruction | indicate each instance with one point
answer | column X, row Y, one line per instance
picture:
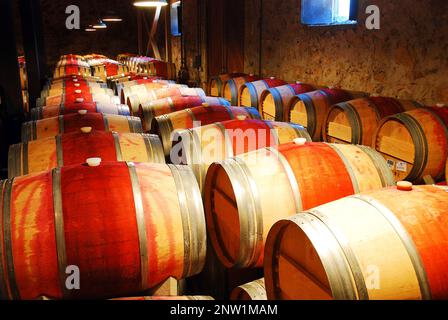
column 112, row 17
column 150, row 3
column 100, row 25
column 90, row 28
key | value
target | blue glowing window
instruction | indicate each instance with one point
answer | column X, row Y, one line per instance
column 328, row 12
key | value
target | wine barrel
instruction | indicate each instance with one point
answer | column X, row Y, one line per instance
column 441, row 111
column 134, row 101
column 215, row 84
column 51, row 127
column 58, row 88
column 142, row 89
column 74, row 148
column 414, row 143
column 232, row 86
column 149, row 110
column 309, row 109
column 296, row 176
column 103, row 71
column 92, row 107
column 166, row 70
column 167, row 298
column 127, row 84
column 200, row 147
column 380, row 245
column 355, row 121
column 250, row 291
column 165, row 125
column 273, row 101
column 126, row 226
column 77, row 98
column 250, row 92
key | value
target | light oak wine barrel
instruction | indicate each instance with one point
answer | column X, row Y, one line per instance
column 70, row 90
column 165, row 125
column 127, row 84
column 151, row 109
column 278, row 183
column 134, row 101
column 200, row 147
column 250, row 291
column 232, row 86
column 126, row 226
column 51, row 127
column 215, row 84
column 74, row 148
column 309, row 109
column 250, row 93
column 274, row 101
column 92, row 107
column 77, row 98
column 59, row 87
column 414, row 143
column 380, row 245
column 355, row 121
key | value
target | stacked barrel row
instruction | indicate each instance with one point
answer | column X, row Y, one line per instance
column 209, row 193
column 365, row 246
column 412, row 138
column 89, row 189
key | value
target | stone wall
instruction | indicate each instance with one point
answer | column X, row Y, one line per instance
column 406, row 58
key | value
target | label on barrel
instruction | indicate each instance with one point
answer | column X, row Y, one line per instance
column 402, row 166
column 391, row 164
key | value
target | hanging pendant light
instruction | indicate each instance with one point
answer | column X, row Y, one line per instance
column 112, row 17
column 100, row 25
column 150, row 3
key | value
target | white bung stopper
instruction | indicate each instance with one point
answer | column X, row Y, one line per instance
column 93, row 162
column 86, row 129
column 300, row 141
column 82, row 111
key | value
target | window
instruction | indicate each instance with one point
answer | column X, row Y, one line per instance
column 176, row 19
column 328, row 12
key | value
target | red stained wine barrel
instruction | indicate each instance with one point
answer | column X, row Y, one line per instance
column 92, row 107
column 74, row 148
column 127, row 227
column 291, row 177
column 202, row 146
column 149, row 110
column 165, row 125
column 250, row 93
column 166, row 70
